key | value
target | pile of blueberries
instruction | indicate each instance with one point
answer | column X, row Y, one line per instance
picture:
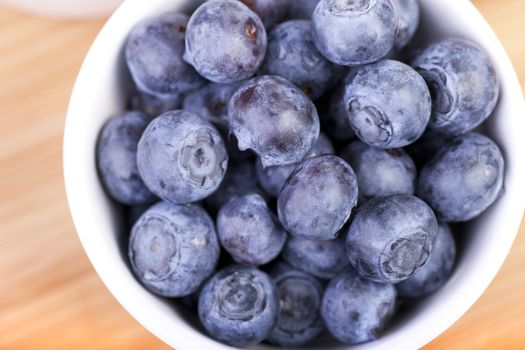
column 332, row 172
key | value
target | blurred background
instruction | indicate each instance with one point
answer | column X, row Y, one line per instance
column 50, row 296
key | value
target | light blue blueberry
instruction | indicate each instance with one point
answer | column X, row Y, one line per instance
column 173, row 248
column 388, row 104
column 181, row 157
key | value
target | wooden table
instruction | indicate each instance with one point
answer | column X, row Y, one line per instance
column 50, row 297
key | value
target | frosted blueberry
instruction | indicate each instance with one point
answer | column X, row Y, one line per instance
column 354, row 32
column 116, row 158
column 380, row 172
column 271, row 116
column 238, row 306
column 464, row 178
column 173, row 248
column 390, row 238
column 388, row 104
column 225, row 41
column 154, row 52
column 249, row 231
column 181, row 157
column 462, row 82
column 356, row 310
column 318, row 197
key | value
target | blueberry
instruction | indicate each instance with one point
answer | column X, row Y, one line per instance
column 154, row 56
column 302, row 9
column 380, row 172
column 334, row 119
column 249, row 231
column 354, row 32
column 464, row 178
column 181, row 157
column 270, row 11
column 390, row 238
column 211, row 102
column 299, row 319
column 225, row 41
column 116, row 158
column 274, row 118
column 408, row 20
column 239, row 179
column 388, row 104
column 272, row 178
column 462, row 82
column 324, row 259
column 318, row 197
column 292, row 55
column 436, row 271
column 356, row 310
column 173, row 248
column 154, row 105
column 238, row 306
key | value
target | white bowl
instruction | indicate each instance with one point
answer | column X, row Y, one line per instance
column 99, row 93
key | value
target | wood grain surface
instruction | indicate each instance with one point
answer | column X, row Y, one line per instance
column 50, row 297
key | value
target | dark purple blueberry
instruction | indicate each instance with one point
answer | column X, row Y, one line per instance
column 272, row 178
column 324, row 259
column 225, row 41
column 155, row 105
column 334, row 119
column 239, row 179
column 354, row 32
column 388, row 104
column 116, row 158
column 181, row 157
column 270, row 11
column 436, row 271
column 154, row 56
column 408, row 20
column 380, row 172
column 211, row 102
column 356, row 310
column 238, row 306
column 249, row 231
column 173, row 248
column 462, row 82
column 318, row 197
column 390, row 238
column 464, row 178
column 271, row 116
column 299, row 319
column 292, row 55
column 302, row 9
